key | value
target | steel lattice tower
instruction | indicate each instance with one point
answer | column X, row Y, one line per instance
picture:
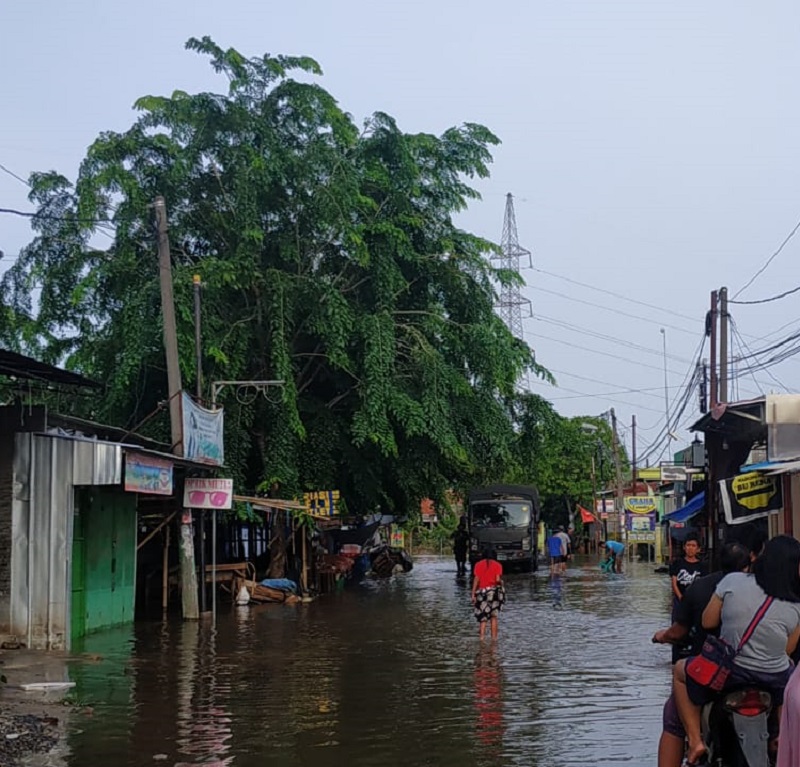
column 512, row 258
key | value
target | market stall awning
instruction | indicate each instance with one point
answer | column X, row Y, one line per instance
column 772, row 467
column 695, row 506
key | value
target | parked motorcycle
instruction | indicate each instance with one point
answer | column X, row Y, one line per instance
column 735, row 729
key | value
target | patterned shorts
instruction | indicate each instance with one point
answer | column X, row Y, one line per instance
column 488, row 603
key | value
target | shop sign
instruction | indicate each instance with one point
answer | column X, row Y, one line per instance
column 323, row 503
column 144, row 474
column 203, row 493
column 202, row 432
column 750, row 496
column 640, row 504
column 397, row 538
column 641, row 527
column 673, row 474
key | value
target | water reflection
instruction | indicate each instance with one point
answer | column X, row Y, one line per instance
column 488, row 677
column 389, row 673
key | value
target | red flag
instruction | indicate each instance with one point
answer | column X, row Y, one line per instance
column 586, row 516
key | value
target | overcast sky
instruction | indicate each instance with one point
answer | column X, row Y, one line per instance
column 651, row 146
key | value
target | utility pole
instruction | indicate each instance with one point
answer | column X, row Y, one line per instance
column 186, row 541
column 723, row 345
column 633, row 451
column 620, row 505
column 201, row 517
column 712, row 332
column 666, row 384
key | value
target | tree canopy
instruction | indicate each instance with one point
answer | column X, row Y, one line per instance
column 329, row 259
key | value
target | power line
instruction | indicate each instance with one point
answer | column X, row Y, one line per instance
column 605, row 383
column 14, row 175
column 637, row 317
column 613, row 339
column 607, row 397
column 768, row 261
column 741, row 340
column 620, row 296
column 603, row 354
column 767, row 300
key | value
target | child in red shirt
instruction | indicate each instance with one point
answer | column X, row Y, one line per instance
column 488, row 595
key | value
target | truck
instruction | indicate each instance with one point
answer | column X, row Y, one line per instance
column 506, row 519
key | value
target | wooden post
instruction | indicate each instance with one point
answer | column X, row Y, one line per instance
column 305, row 560
column 186, row 542
column 165, row 574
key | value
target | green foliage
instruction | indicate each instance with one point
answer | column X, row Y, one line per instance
column 556, row 454
column 329, row 259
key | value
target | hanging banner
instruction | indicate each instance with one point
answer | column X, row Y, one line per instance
column 202, row 432
column 750, row 496
column 202, row 493
column 144, row 474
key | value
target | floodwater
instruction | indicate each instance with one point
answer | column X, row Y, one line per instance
column 388, row 673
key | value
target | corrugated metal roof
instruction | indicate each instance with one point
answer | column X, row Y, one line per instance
column 16, row 365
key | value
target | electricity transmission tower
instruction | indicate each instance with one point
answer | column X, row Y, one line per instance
column 512, row 258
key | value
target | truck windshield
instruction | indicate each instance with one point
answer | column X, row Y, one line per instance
column 500, row 514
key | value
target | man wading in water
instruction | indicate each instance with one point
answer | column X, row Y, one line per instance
column 488, row 596
column 460, row 546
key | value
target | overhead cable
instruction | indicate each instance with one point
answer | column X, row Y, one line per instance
column 764, row 267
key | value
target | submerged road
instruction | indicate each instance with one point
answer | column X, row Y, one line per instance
column 388, row 673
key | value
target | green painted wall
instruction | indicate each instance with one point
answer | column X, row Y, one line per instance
column 103, row 559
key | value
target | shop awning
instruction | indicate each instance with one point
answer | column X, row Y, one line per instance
column 695, row 506
column 773, row 467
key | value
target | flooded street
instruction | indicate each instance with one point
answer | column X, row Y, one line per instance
column 388, row 673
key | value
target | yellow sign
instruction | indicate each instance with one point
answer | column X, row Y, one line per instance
column 641, row 504
column 649, row 475
column 753, row 490
column 322, row 502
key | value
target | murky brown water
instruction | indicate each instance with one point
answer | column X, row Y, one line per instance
column 389, row 674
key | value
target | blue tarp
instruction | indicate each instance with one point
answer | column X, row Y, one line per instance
column 695, row 506
column 281, row 584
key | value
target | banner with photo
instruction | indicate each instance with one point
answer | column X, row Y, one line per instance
column 750, row 496
column 202, row 432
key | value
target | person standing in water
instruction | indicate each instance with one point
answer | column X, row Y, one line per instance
column 488, row 595
column 460, row 546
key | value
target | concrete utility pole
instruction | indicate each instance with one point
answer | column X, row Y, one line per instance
column 633, row 451
column 723, row 345
column 186, row 541
column 620, row 505
column 198, row 355
column 712, row 332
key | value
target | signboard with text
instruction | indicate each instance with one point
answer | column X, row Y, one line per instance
column 145, row 474
column 750, row 496
column 203, row 493
column 324, row 503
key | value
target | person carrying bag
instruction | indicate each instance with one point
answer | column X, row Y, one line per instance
column 714, row 665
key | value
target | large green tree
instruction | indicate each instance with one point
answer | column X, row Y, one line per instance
column 559, row 455
column 329, row 259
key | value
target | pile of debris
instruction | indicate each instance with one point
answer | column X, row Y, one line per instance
column 23, row 735
column 387, row 561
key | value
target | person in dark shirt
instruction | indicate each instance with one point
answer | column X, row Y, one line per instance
column 460, row 546
column 688, row 626
column 683, row 571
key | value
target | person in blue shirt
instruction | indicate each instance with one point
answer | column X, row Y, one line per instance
column 615, row 551
column 557, row 551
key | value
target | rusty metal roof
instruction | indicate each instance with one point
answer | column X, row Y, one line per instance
column 13, row 365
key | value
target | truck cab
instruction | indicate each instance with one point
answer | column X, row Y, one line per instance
column 506, row 519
